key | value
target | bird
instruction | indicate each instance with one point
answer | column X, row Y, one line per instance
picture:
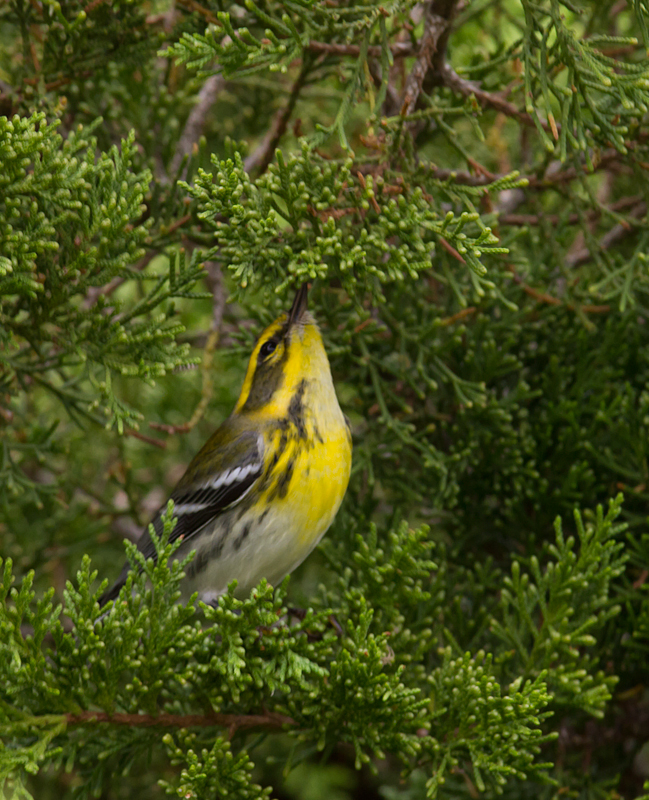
column 266, row 486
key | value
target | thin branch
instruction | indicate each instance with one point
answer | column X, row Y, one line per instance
column 432, row 47
column 398, row 50
column 196, row 121
column 449, row 77
column 148, row 439
column 233, row 722
column 571, row 219
column 215, row 282
column 457, row 317
column 192, row 5
column 616, row 233
column 95, row 292
column 544, row 297
column 262, row 156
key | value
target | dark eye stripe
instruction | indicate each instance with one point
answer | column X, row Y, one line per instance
column 267, row 348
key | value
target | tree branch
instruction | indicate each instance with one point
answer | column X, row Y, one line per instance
column 214, row 279
column 610, row 238
column 233, row 722
column 196, row 121
column 449, row 77
column 398, row 50
column 572, row 219
column 432, row 50
column 262, row 156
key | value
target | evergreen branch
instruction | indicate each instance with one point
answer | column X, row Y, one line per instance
column 270, row 720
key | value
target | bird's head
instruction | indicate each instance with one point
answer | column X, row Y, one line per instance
column 289, row 351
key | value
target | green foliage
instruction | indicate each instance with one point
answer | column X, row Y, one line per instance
column 71, row 223
column 550, row 617
column 148, row 655
column 301, row 214
column 497, row 731
column 211, row 773
column 272, row 37
column 589, row 100
column 469, row 204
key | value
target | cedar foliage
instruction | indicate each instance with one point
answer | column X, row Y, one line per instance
column 464, row 185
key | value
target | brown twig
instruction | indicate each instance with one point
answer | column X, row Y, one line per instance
column 433, row 43
column 177, row 224
column 554, row 174
column 196, row 121
column 571, row 219
column 450, row 249
column 610, row 238
column 148, row 439
column 192, row 5
column 262, row 156
column 95, row 292
column 543, row 297
column 559, row 176
column 457, row 317
column 398, row 50
column 215, row 282
column 449, row 77
column 233, row 722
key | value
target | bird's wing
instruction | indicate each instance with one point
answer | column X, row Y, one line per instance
column 220, row 475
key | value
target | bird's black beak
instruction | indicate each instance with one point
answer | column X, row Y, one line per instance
column 299, row 304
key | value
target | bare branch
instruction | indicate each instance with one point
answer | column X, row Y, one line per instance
column 572, row 219
column 398, row 50
column 610, row 238
column 233, row 722
column 262, row 156
column 449, row 77
column 432, row 48
column 196, row 121
column 214, row 279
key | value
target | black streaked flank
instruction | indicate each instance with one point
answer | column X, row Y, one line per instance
column 198, row 564
column 285, row 479
column 296, row 411
column 242, row 536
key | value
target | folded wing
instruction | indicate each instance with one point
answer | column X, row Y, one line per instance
column 235, row 465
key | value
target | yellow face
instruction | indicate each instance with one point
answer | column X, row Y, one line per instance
column 287, row 351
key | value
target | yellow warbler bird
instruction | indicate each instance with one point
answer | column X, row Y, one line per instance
column 265, row 487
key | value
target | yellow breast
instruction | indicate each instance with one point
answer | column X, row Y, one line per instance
column 309, row 462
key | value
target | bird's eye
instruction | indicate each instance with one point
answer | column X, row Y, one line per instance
column 267, row 348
